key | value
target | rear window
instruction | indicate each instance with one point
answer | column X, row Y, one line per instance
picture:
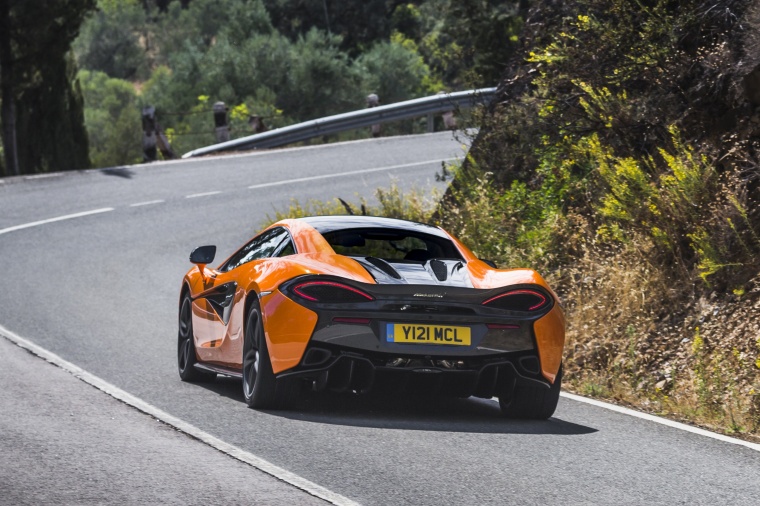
column 391, row 244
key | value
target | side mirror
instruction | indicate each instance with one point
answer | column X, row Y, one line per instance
column 489, row 263
column 203, row 255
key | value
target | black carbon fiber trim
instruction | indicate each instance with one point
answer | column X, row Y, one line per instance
column 340, row 370
column 221, row 299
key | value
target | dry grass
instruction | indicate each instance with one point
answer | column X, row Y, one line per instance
column 636, row 337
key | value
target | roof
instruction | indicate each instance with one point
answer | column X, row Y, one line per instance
column 325, row 224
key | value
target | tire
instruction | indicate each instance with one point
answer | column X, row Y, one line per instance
column 186, row 358
column 261, row 389
column 531, row 402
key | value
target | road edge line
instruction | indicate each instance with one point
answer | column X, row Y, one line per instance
column 662, row 421
column 349, row 173
column 265, row 466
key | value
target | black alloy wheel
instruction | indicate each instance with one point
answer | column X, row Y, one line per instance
column 186, row 358
column 261, row 389
column 531, row 402
column 251, row 357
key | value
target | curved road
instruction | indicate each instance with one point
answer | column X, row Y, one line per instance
column 100, row 290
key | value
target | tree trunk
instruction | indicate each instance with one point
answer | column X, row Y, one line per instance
column 8, row 113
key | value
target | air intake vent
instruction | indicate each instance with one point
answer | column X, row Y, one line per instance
column 439, row 269
column 384, row 266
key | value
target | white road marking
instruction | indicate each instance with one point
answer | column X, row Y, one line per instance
column 137, row 403
column 148, row 203
column 662, row 421
column 206, row 194
column 44, row 176
column 349, row 173
column 51, row 220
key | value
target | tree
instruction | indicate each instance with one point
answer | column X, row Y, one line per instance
column 110, row 40
column 359, row 23
column 486, row 34
column 395, row 71
column 320, row 80
column 113, row 119
column 41, row 103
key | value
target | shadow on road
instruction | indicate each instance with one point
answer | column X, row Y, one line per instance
column 406, row 412
column 118, row 172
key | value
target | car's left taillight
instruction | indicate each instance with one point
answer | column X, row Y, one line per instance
column 330, row 292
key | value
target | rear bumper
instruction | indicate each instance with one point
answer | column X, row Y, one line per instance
column 337, row 369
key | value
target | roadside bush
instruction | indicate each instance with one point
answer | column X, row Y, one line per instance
column 391, row 202
column 112, row 118
column 320, row 79
column 395, row 71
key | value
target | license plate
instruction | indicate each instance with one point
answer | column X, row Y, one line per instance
column 427, row 334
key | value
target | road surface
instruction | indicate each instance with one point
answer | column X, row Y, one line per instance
column 99, row 288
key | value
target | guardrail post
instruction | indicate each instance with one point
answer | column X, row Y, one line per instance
column 257, row 124
column 149, row 133
column 222, row 128
column 449, row 120
column 373, row 101
column 448, row 117
column 163, row 144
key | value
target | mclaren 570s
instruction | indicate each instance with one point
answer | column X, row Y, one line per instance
column 360, row 304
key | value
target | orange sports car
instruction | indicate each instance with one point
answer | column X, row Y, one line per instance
column 361, row 303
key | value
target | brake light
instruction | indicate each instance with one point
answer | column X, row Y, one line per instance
column 330, row 291
column 518, row 300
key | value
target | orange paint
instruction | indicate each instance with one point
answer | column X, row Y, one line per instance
column 288, row 327
column 549, row 330
column 550, row 339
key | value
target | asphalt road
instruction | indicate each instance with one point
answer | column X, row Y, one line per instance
column 64, row 442
column 101, row 291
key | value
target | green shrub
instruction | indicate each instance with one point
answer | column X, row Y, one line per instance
column 109, row 40
column 112, row 119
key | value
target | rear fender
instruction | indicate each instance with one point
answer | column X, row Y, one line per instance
column 550, row 341
column 288, row 327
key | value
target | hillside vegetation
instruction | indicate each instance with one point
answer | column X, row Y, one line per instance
column 621, row 160
column 284, row 61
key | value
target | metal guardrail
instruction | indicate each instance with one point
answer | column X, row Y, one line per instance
column 352, row 120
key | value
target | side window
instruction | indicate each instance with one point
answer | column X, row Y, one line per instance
column 287, row 249
column 262, row 246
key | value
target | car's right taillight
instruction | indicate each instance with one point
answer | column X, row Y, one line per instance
column 524, row 299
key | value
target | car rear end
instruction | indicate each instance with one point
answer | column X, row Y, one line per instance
column 434, row 338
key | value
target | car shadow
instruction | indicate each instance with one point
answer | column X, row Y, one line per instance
column 407, row 412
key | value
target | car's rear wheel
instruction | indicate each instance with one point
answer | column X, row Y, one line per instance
column 531, row 402
column 186, row 358
column 261, row 389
